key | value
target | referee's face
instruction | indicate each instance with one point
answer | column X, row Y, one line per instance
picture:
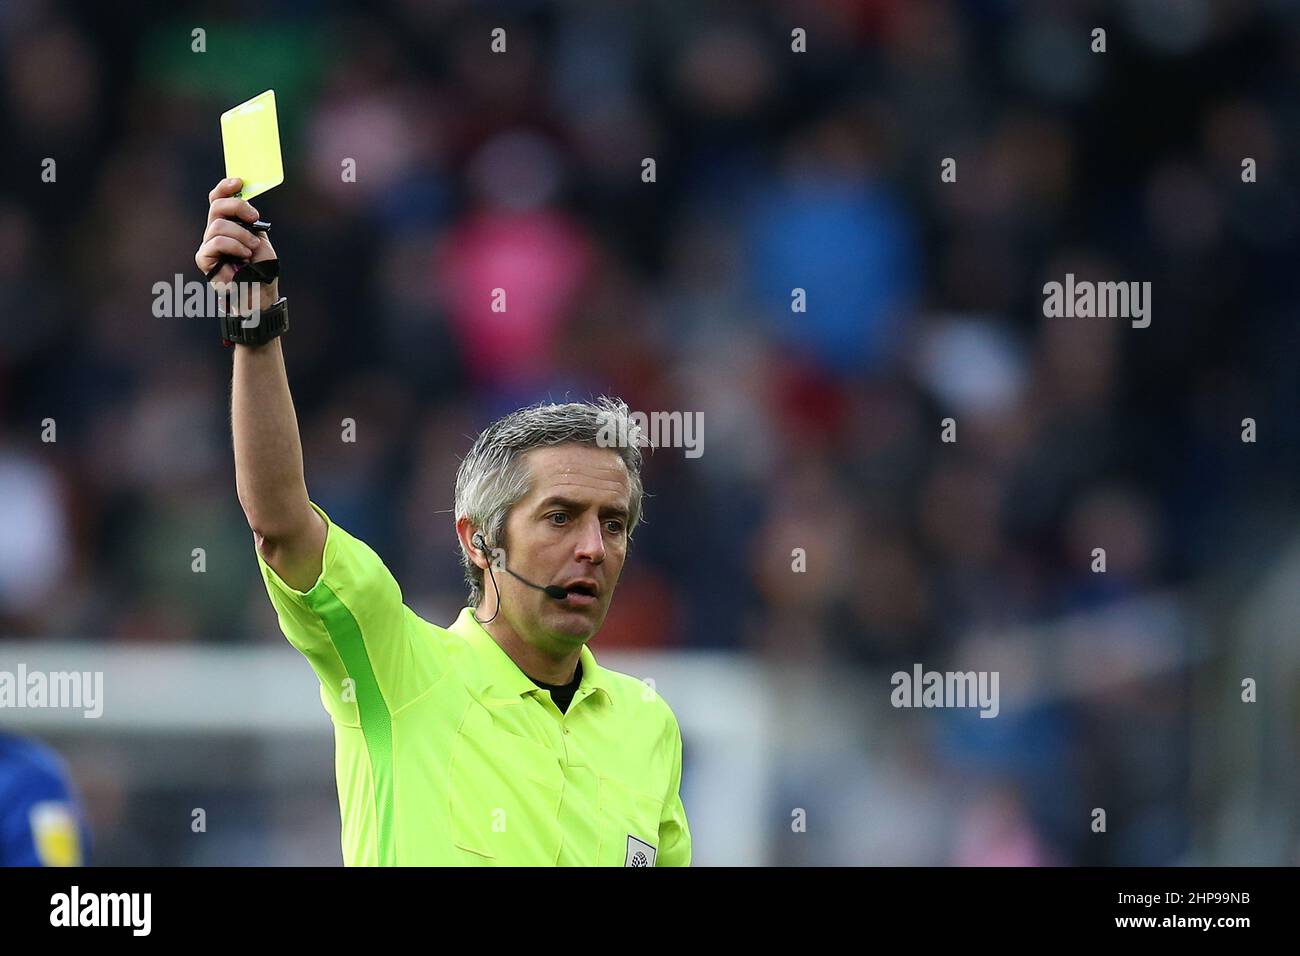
column 571, row 526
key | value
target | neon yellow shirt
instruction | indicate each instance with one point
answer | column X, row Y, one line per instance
column 446, row 753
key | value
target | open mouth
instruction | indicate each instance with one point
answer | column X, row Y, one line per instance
column 580, row 595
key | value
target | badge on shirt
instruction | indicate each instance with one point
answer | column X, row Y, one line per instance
column 55, row 833
column 639, row 853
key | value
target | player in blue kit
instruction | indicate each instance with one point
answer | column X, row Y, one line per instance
column 41, row 821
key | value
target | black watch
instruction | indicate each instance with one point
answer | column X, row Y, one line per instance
column 272, row 321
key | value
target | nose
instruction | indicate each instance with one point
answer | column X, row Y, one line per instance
column 591, row 543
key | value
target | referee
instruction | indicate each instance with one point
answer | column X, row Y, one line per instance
column 497, row 740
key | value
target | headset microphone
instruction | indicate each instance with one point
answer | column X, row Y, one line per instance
column 551, row 590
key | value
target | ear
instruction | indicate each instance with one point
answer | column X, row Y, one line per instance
column 469, row 538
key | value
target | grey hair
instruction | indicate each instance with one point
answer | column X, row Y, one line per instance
column 493, row 478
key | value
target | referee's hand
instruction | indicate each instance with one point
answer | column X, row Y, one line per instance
column 225, row 238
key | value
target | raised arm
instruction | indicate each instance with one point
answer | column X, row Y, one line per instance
column 268, row 451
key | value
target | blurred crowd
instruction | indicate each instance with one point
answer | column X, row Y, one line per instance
column 775, row 170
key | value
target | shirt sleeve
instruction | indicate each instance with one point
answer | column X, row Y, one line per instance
column 674, row 834
column 370, row 651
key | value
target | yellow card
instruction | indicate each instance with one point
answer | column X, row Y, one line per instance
column 251, row 137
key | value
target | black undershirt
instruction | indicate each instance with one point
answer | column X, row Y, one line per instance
column 562, row 694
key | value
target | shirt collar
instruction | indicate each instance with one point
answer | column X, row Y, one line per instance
column 501, row 676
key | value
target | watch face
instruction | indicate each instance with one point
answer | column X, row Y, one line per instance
column 272, row 321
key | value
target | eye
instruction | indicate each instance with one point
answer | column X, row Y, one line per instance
column 617, row 526
column 554, row 514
